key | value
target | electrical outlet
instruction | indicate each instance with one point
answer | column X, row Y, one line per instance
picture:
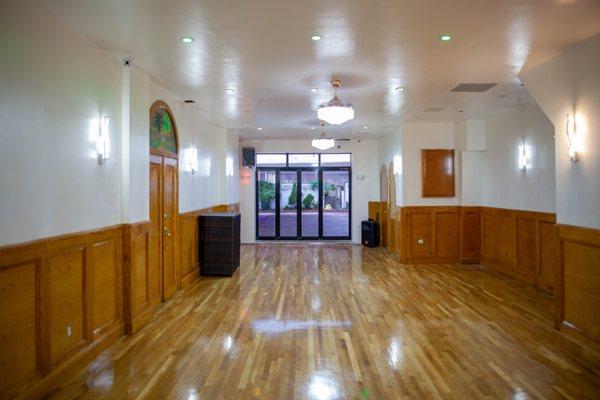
column 420, row 241
column 69, row 330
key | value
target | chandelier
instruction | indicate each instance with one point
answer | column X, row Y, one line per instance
column 323, row 142
column 335, row 112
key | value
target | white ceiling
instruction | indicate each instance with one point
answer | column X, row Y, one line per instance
column 263, row 50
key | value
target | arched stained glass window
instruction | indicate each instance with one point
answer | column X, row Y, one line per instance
column 163, row 132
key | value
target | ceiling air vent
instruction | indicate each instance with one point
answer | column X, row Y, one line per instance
column 473, row 87
column 434, row 109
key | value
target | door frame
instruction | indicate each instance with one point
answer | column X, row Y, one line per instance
column 156, row 153
column 299, row 170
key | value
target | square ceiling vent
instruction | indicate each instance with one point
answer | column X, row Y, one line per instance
column 473, row 87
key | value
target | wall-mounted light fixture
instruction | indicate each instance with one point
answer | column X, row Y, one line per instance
column 574, row 137
column 397, row 165
column 229, row 166
column 524, row 157
column 103, row 141
column 190, row 159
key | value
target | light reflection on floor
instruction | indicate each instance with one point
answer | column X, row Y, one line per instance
column 272, row 325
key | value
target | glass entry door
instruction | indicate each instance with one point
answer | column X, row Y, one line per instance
column 288, row 204
column 265, row 204
column 309, row 203
column 303, row 203
column 335, row 196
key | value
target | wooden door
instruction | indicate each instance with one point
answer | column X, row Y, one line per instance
column 169, row 227
column 155, row 289
column 162, row 276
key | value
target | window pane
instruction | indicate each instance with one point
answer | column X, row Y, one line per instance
column 266, row 203
column 336, row 160
column 304, row 160
column 270, row 160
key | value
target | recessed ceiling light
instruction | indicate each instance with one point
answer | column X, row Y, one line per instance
column 312, row 128
column 365, row 127
column 187, row 39
column 229, row 90
column 445, row 37
column 314, row 90
column 400, row 89
column 260, row 129
column 316, row 38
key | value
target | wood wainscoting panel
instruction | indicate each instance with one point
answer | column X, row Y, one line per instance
column 519, row 244
column 140, row 283
column 55, row 294
column 429, row 234
column 578, row 302
column 446, row 234
column 507, row 240
column 19, row 324
column 489, row 235
column 526, row 248
column 189, row 267
column 420, row 234
column 548, row 266
column 106, row 284
column 470, row 234
column 66, row 303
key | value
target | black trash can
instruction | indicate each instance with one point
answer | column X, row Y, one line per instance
column 370, row 233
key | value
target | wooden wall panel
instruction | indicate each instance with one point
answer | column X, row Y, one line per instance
column 67, row 303
column 18, row 327
column 50, row 307
column 470, row 227
column 578, row 301
column 526, row 248
column 141, row 291
column 512, row 243
column 188, row 248
column 106, row 283
column 446, row 228
column 547, row 270
column 428, row 234
column 420, row 234
column 489, row 235
column 437, row 173
column 507, row 240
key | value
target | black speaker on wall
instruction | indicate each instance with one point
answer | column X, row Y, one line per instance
column 248, row 156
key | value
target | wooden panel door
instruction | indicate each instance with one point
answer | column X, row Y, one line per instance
column 169, row 227
column 154, row 278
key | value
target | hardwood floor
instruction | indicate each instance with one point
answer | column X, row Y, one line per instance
column 336, row 321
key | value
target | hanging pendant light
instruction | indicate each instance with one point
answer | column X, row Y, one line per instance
column 335, row 112
column 323, row 142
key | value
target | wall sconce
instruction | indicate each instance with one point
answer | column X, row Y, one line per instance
column 103, row 141
column 191, row 159
column 397, row 165
column 573, row 138
column 229, row 166
column 524, row 157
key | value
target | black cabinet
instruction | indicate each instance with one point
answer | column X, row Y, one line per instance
column 219, row 243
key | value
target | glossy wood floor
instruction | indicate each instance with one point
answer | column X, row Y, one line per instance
column 337, row 321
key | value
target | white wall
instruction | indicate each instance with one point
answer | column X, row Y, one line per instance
column 364, row 162
column 53, row 84
column 390, row 146
column 426, row 135
column 503, row 184
column 570, row 84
